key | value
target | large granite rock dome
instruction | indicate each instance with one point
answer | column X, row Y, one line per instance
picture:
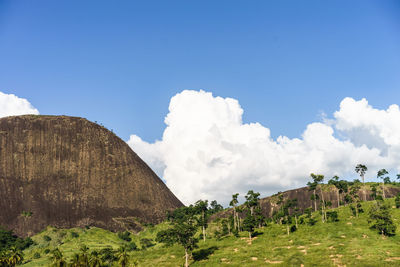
column 67, row 172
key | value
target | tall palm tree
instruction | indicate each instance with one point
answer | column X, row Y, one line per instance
column 380, row 175
column 75, row 261
column 84, row 257
column 95, row 260
column 233, row 203
column 123, row 257
column 361, row 170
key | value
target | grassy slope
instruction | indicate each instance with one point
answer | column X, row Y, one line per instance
column 347, row 242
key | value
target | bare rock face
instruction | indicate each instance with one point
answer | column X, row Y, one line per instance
column 69, row 172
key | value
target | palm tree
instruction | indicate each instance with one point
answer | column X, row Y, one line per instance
column 95, row 260
column 380, row 175
column 361, row 170
column 14, row 256
column 123, row 257
column 58, row 259
column 233, row 203
column 75, row 261
column 84, row 258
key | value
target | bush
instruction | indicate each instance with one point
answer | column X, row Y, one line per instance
column 74, row 235
column 146, row 243
column 131, row 246
column 332, row 216
column 36, row 255
column 125, row 236
column 47, row 238
column 8, row 239
column 397, row 201
column 46, row 251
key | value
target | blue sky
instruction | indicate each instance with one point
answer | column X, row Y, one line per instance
column 119, row 63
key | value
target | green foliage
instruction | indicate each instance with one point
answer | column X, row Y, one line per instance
column 332, row 216
column 26, row 214
column 397, row 201
column 74, row 235
column 146, row 243
column 125, row 236
column 8, row 240
column 36, row 255
column 131, row 246
column 47, row 238
column 381, row 219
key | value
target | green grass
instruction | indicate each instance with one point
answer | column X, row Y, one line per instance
column 348, row 242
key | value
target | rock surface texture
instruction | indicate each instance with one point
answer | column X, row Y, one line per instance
column 69, row 172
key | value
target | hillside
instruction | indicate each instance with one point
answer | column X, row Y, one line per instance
column 347, row 242
column 69, row 172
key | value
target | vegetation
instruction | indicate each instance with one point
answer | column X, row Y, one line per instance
column 354, row 233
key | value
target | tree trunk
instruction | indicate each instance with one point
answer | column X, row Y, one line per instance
column 295, row 218
column 250, row 237
column 251, row 211
column 315, row 201
column 383, row 190
column 204, row 228
column 234, row 217
column 186, row 258
column 287, row 225
column 238, row 221
column 323, row 206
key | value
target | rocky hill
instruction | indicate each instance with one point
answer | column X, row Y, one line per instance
column 68, row 172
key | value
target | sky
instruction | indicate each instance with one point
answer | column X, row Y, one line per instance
column 287, row 82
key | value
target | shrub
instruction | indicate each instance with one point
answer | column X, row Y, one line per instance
column 74, row 234
column 131, row 246
column 46, row 251
column 332, row 216
column 397, row 201
column 47, row 238
column 125, row 236
column 146, row 243
column 36, row 255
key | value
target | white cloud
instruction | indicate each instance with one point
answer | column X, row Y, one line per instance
column 207, row 152
column 12, row 105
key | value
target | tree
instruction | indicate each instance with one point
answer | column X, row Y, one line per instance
column 182, row 231
column 215, row 207
column 58, row 258
column 397, row 201
column 249, row 224
column 123, row 257
column 233, row 203
column 84, row 257
column 318, row 179
column 202, row 208
column 381, row 173
column 381, row 219
column 361, row 170
column 355, row 199
column 14, row 256
column 252, row 200
column 95, row 260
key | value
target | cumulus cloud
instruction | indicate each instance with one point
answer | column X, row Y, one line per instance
column 12, row 105
column 207, row 152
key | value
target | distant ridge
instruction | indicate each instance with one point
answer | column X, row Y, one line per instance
column 68, row 172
